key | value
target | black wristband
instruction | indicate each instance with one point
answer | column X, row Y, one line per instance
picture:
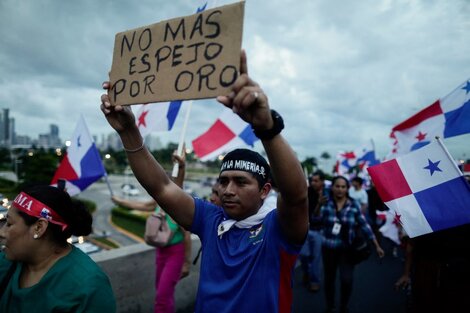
column 278, row 126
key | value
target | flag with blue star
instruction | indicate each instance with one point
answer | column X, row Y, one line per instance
column 425, row 188
column 433, row 166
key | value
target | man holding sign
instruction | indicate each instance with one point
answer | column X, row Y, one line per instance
column 190, row 57
column 248, row 249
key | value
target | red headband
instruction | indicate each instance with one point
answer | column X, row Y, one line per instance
column 36, row 208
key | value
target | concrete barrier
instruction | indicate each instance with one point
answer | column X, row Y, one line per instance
column 131, row 270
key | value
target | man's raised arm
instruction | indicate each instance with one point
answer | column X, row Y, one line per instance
column 147, row 170
column 251, row 104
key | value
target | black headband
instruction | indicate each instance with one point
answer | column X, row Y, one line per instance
column 247, row 161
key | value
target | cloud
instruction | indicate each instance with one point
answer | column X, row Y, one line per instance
column 339, row 72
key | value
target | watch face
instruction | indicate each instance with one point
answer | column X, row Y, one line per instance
column 279, row 121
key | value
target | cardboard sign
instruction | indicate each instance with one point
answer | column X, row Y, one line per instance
column 192, row 57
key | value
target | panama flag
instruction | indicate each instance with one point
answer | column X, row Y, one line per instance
column 345, row 161
column 155, row 117
column 447, row 117
column 425, row 189
column 366, row 156
column 227, row 133
column 82, row 164
column 362, row 157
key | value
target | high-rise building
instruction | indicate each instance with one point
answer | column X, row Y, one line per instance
column 22, row 140
column 11, row 131
column 153, row 142
column 54, row 136
column 54, row 130
column 2, row 129
column 5, row 139
column 114, row 142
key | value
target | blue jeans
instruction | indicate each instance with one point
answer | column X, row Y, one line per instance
column 310, row 256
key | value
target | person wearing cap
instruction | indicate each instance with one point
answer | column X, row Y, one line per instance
column 249, row 249
column 39, row 270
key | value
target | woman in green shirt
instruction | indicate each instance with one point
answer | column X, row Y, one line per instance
column 172, row 261
column 49, row 274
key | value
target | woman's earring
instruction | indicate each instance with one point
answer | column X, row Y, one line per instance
column 36, row 236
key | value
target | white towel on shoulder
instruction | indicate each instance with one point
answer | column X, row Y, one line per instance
column 248, row 222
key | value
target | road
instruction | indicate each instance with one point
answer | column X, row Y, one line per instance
column 372, row 290
column 100, row 194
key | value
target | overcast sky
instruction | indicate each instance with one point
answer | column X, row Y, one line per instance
column 339, row 72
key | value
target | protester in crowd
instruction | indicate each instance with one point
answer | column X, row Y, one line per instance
column 437, row 266
column 392, row 230
column 357, row 193
column 310, row 255
column 374, row 204
column 249, row 250
column 214, row 196
column 40, row 270
column 172, row 261
column 340, row 217
column 271, row 198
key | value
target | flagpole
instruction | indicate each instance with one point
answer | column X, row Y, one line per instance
column 174, row 173
column 373, row 144
column 439, row 141
column 107, row 183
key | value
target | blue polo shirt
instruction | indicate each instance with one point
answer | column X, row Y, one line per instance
column 244, row 270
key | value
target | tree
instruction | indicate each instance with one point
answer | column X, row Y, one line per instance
column 325, row 155
column 5, row 160
column 164, row 156
column 310, row 164
column 117, row 163
column 38, row 167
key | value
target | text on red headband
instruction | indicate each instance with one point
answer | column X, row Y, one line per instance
column 36, row 208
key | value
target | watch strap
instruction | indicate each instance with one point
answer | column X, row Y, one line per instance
column 278, row 126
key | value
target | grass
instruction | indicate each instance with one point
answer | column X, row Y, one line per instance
column 134, row 224
column 107, row 243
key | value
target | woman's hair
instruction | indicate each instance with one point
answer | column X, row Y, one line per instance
column 359, row 180
column 73, row 212
column 333, row 181
column 320, row 175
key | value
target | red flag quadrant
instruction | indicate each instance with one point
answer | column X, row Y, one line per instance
column 227, row 133
column 157, row 117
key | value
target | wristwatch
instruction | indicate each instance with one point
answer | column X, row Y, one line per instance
column 278, row 126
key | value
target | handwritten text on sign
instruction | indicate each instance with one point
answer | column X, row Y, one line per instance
column 192, row 57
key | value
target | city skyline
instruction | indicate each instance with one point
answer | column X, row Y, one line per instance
column 52, row 139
